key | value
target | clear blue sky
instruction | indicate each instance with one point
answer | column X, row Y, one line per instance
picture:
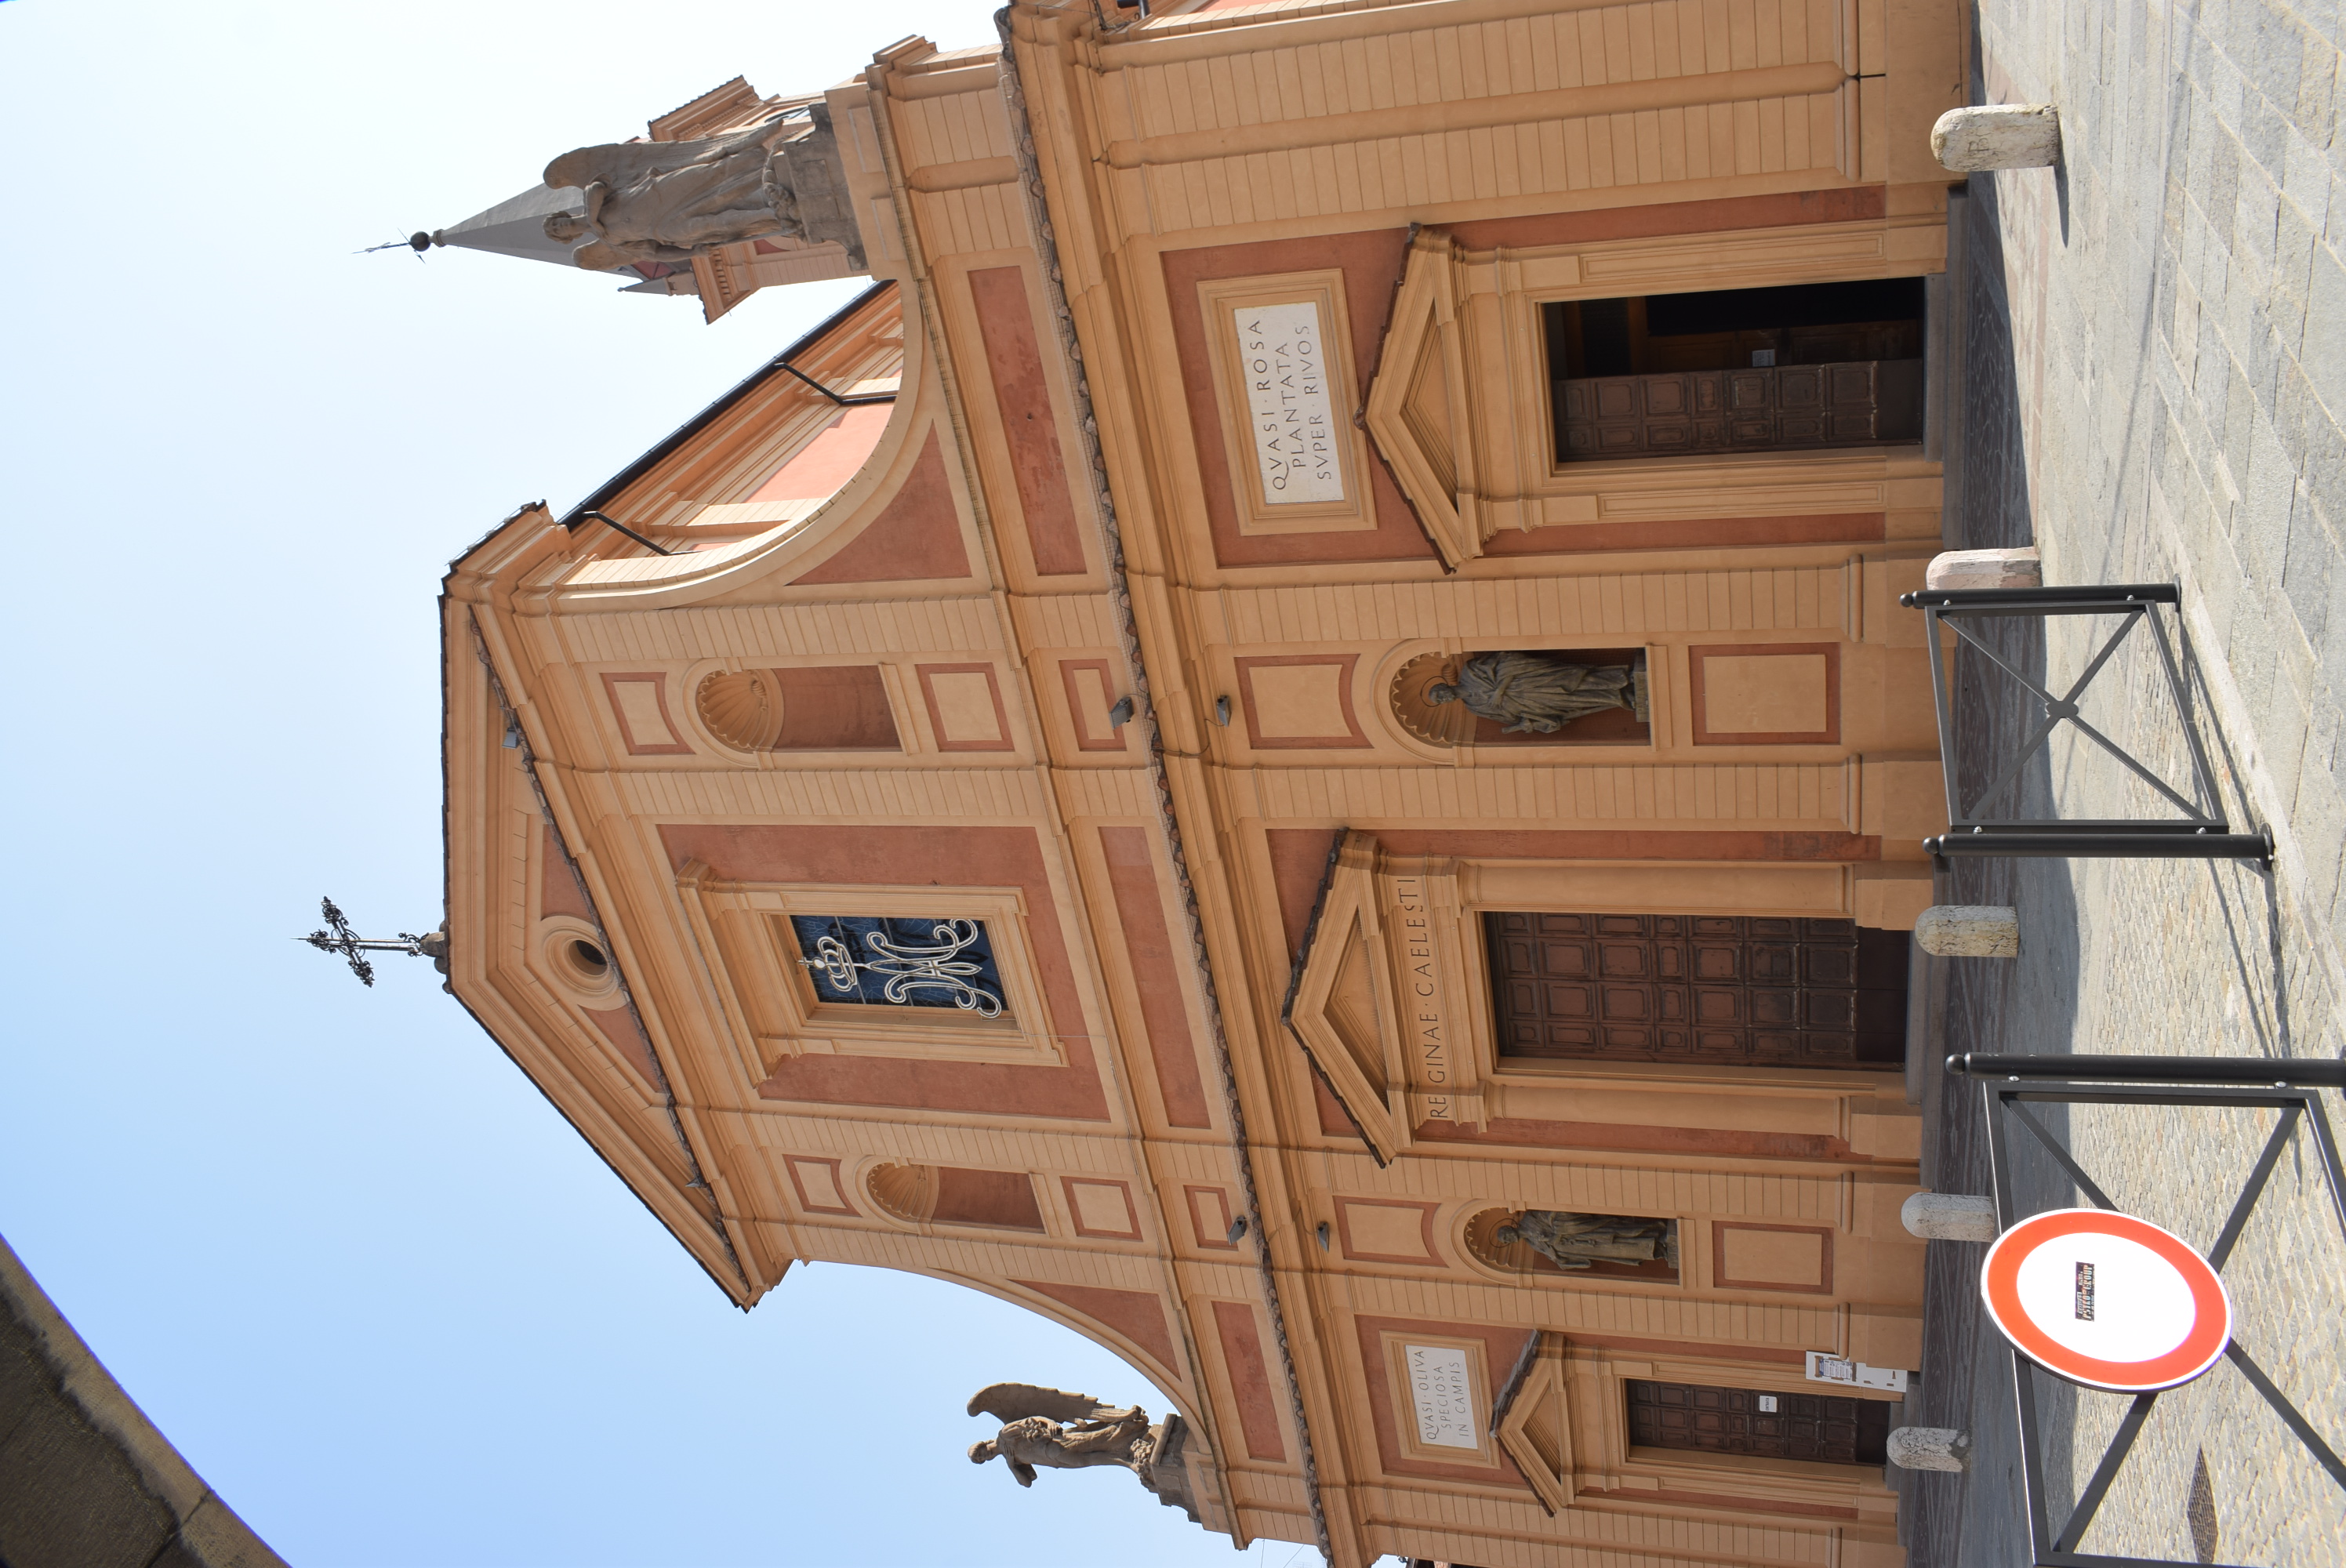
column 332, row 1242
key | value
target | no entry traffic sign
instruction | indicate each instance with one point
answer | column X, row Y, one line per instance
column 2107, row 1300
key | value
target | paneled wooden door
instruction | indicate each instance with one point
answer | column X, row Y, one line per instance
column 1712, row 988
column 1700, row 1419
column 1765, row 408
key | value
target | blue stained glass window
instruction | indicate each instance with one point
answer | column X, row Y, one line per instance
column 883, row 961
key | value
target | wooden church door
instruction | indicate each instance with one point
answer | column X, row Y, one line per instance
column 1697, row 1418
column 1713, row 989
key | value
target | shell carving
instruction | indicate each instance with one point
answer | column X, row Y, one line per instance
column 742, row 709
column 1445, row 724
column 907, row 1192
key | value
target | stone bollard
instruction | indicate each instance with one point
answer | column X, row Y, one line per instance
column 1998, row 135
column 1950, row 1216
column 1986, row 569
column 1969, row 931
column 1929, row 1448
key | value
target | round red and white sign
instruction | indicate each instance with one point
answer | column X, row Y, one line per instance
column 2107, row 1300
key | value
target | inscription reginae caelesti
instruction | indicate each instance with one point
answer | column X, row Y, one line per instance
column 1429, row 1049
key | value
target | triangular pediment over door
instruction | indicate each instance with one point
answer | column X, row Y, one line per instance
column 1420, row 410
column 1384, row 1004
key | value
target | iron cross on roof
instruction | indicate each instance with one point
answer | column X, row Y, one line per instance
column 338, row 936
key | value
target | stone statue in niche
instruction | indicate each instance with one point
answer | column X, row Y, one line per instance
column 1050, row 1429
column 1577, row 1240
column 1534, row 693
column 666, row 200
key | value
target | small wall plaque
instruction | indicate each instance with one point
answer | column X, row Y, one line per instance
column 1290, row 419
column 1441, row 1389
column 1286, row 389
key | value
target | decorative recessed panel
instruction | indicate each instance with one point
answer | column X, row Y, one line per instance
column 1430, row 1386
column 964, row 703
column 1766, row 693
column 1283, row 384
column 1030, row 424
column 891, row 971
column 1300, row 702
column 1795, row 1258
column 1102, row 1208
column 818, row 1185
column 1248, row 1370
column 1382, row 1230
column 1210, row 1213
column 1090, row 685
column 1441, row 1404
column 640, row 703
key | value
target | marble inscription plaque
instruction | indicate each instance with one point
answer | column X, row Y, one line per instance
column 1289, row 418
column 1442, row 1388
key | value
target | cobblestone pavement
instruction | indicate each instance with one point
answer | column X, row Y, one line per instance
column 2154, row 375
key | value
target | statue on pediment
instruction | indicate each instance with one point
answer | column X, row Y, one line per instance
column 1533, row 693
column 1051, row 1429
column 1577, row 1240
column 665, row 201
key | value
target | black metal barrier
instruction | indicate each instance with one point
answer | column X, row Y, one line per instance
column 2201, row 833
column 2100, row 1081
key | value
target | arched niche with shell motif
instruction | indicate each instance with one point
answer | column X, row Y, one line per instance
column 1452, row 724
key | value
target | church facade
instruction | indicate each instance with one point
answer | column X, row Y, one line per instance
column 1291, row 743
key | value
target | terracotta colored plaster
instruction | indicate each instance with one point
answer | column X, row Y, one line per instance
column 915, row 537
column 1773, row 1355
column 835, row 708
column 1081, row 721
column 1848, row 204
column 557, row 886
column 1708, row 1500
column 819, row 467
column 1137, row 1314
column 1129, row 1231
column 918, row 857
column 1209, row 1218
column 1693, row 533
column 1234, row 1325
column 1371, row 264
column 1501, row 1346
column 1633, row 844
column 1172, row 1049
column 1005, row 320
column 1526, row 1133
column 1334, row 1120
column 1000, row 1200
column 1000, row 740
column 1299, row 864
column 626, row 1037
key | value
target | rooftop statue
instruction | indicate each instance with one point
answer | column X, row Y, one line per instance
column 665, row 200
column 1528, row 692
column 1050, row 1429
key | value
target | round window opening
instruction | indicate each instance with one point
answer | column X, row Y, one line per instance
column 590, row 961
